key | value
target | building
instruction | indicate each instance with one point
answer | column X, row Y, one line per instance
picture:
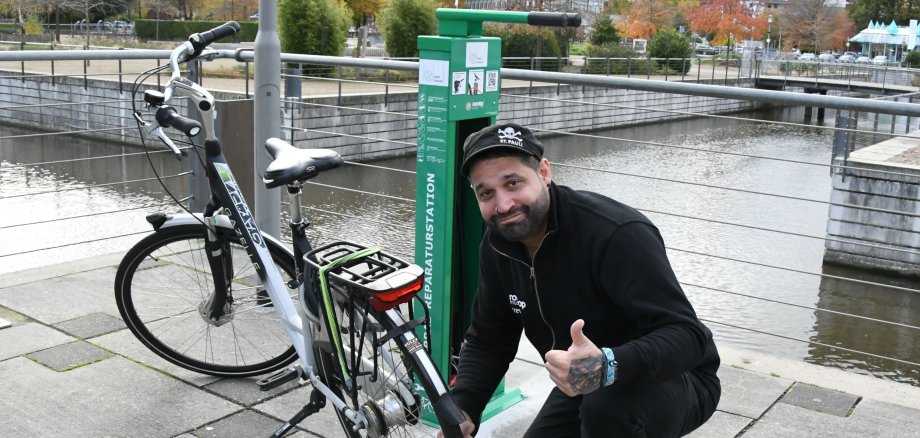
column 891, row 40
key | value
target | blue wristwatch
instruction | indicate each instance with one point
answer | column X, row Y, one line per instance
column 610, row 366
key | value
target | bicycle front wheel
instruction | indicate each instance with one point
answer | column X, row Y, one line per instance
column 162, row 289
column 376, row 375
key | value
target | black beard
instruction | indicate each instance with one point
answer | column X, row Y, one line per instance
column 534, row 218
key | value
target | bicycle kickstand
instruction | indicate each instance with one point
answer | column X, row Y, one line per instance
column 317, row 402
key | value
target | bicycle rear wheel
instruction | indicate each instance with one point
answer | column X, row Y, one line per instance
column 162, row 285
column 378, row 379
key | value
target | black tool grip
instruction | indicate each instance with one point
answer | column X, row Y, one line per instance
column 556, row 19
column 168, row 117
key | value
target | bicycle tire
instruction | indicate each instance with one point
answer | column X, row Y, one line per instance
column 388, row 380
column 161, row 284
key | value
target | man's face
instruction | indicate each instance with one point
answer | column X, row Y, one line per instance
column 513, row 198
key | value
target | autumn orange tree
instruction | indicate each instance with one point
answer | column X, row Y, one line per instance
column 721, row 18
column 644, row 18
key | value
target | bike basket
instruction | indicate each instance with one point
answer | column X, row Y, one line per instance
column 385, row 280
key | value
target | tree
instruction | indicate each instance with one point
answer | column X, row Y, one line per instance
column 603, row 32
column 843, row 29
column 645, row 17
column 721, row 19
column 317, row 27
column 861, row 12
column 669, row 43
column 807, row 22
column 361, row 11
column 402, row 21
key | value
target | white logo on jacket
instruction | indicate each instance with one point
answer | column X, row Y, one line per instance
column 516, row 305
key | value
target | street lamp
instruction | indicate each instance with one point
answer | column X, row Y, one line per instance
column 769, row 28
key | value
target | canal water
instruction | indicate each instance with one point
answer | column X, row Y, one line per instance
column 715, row 212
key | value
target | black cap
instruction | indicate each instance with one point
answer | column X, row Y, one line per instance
column 511, row 136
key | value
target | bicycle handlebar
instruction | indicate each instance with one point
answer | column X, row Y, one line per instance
column 167, row 116
column 203, row 39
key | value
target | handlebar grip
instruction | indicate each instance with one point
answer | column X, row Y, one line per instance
column 557, row 19
column 204, row 39
column 167, row 116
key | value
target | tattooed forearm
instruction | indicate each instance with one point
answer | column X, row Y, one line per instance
column 585, row 374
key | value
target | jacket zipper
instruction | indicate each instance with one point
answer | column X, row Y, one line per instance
column 533, row 277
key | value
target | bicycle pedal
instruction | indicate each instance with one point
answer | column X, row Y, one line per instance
column 280, row 378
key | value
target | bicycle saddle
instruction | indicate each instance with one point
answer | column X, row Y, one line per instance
column 292, row 164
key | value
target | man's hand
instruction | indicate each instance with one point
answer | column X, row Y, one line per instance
column 576, row 370
column 466, row 428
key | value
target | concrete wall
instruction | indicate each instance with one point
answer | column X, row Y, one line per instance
column 860, row 184
column 101, row 109
column 544, row 107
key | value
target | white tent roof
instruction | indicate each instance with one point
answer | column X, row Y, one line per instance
column 878, row 33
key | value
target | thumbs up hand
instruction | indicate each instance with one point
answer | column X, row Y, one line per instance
column 579, row 369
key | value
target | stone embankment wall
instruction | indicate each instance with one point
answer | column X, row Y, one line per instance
column 371, row 125
column 884, row 178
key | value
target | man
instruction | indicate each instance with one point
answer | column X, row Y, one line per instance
column 587, row 279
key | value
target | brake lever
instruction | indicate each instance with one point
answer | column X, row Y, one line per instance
column 158, row 131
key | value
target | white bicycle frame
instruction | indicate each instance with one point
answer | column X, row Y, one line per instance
column 299, row 331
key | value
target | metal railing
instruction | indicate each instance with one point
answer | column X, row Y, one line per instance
column 379, row 73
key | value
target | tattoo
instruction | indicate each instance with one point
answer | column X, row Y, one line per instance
column 585, row 374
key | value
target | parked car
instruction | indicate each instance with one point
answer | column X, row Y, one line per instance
column 880, row 60
column 846, row 58
column 826, row 57
column 863, row 60
column 853, row 54
column 810, row 57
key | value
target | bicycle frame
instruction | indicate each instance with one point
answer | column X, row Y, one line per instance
column 226, row 196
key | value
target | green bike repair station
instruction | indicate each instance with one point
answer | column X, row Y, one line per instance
column 459, row 85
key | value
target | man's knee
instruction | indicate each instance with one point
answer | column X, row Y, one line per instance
column 599, row 419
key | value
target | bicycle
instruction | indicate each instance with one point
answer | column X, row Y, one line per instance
column 211, row 293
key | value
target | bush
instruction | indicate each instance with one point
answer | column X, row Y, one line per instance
column 401, row 23
column 33, row 25
column 180, row 30
column 315, row 27
column 522, row 41
column 622, row 60
column 911, row 60
column 673, row 45
column 604, row 32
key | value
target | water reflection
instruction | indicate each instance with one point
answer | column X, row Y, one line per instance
column 69, row 186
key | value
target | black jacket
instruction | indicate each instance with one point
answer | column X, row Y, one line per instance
column 601, row 261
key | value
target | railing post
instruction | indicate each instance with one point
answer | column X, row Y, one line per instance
column 338, row 100
column 667, row 66
column 121, row 85
column 53, row 79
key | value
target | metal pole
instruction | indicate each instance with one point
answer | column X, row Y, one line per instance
column 267, row 113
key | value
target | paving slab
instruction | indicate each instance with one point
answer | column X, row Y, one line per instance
column 63, row 298
column 29, row 337
column 91, row 325
column 124, row 343
column 69, row 356
column 887, row 418
column 784, row 420
column 747, row 393
column 113, row 398
column 820, row 399
column 246, row 392
column 721, row 424
column 4, row 323
column 243, row 424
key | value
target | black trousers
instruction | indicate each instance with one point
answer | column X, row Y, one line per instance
column 667, row 409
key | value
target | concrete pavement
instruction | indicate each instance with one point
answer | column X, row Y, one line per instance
column 70, row 368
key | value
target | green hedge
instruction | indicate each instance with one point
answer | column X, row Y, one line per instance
column 180, row 30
